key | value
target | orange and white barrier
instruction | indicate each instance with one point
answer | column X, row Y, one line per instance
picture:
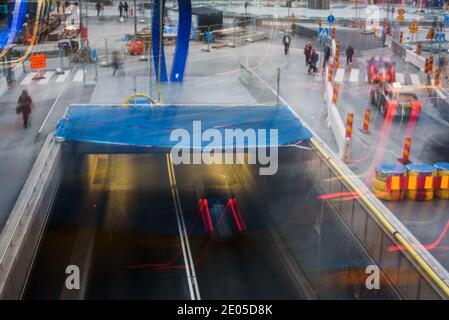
column 406, row 151
column 366, row 120
column 336, row 90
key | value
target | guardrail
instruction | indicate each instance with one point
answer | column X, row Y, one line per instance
column 414, row 272
column 20, row 236
column 334, row 120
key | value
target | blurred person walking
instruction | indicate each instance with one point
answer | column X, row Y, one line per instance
column 120, row 9
column 349, row 54
column 312, row 62
column 116, row 63
column 24, row 107
column 98, row 7
column 286, row 41
column 126, row 7
column 308, row 52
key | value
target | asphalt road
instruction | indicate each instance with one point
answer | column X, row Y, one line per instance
column 117, row 218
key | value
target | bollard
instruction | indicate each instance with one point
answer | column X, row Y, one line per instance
column 426, row 66
column 401, row 37
column 437, row 77
column 348, row 136
column 349, row 121
column 406, row 152
column 366, row 119
column 330, row 75
column 430, row 64
column 336, row 89
column 418, row 49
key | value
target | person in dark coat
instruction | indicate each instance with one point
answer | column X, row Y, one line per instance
column 349, row 54
column 24, row 105
column 313, row 61
column 98, row 7
column 308, row 52
column 286, row 41
column 120, row 9
column 126, row 7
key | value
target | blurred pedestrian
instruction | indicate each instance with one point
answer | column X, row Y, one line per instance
column 312, row 62
column 286, row 41
column 116, row 62
column 307, row 52
column 349, row 54
column 120, row 9
column 98, row 7
column 126, row 7
column 24, row 107
column 58, row 6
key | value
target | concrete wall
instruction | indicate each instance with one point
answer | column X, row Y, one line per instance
column 21, row 235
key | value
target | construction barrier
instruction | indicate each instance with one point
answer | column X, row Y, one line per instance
column 437, row 77
column 442, row 171
column 416, row 59
column 382, row 173
column 329, row 73
column 349, row 122
column 406, row 152
column 418, row 49
column 336, row 90
column 401, row 37
column 424, row 187
column 366, row 119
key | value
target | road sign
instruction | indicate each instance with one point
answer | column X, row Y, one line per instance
column 413, row 28
column 323, row 33
column 400, row 18
column 401, row 11
column 440, row 37
column 446, row 20
column 330, row 19
column 38, row 61
column 430, row 34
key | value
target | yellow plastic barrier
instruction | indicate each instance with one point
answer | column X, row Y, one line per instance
column 442, row 171
column 379, row 186
column 418, row 170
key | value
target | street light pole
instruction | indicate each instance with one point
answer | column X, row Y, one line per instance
column 135, row 20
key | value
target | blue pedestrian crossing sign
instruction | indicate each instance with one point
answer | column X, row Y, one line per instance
column 323, row 33
column 446, row 20
column 330, row 19
column 440, row 37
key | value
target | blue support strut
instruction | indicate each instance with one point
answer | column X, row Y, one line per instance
column 183, row 40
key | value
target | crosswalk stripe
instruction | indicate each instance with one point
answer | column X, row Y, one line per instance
column 27, row 80
column 415, row 79
column 62, row 77
column 400, row 78
column 78, row 76
column 354, row 76
column 339, row 75
column 47, row 76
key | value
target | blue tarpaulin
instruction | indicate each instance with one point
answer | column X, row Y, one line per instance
column 151, row 127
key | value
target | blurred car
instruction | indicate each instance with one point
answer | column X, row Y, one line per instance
column 380, row 69
column 389, row 97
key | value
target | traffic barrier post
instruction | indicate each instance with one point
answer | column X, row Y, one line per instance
column 406, row 151
column 336, row 90
column 401, row 37
column 348, row 136
column 366, row 120
column 418, row 49
column 437, row 77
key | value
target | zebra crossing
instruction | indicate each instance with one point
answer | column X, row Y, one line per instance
column 356, row 75
column 52, row 77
